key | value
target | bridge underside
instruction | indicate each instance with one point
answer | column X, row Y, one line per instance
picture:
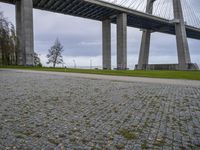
column 98, row 10
column 107, row 13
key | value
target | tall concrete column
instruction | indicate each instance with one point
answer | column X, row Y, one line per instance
column 106, row 39
column 1, row 61
column 145, row 43
column 181, row 37
column 24, row 26
column 122, row 41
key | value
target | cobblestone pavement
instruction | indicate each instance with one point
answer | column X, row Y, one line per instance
column 40, row 111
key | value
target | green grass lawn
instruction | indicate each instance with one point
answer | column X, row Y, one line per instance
column 191, row 75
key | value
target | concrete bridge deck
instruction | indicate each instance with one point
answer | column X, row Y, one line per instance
column 100, row 10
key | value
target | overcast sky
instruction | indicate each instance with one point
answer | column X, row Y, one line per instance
column 81, row 39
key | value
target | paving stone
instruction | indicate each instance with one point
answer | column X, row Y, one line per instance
column 41, row 111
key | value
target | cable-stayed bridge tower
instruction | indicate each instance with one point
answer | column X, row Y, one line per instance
column 145, row 44
column 181, row 37
column 184, row 60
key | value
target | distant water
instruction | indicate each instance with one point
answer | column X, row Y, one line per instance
column 89, row 67
column 85, row 67
column 94, row 67
column 100, row 67
column 97, row 67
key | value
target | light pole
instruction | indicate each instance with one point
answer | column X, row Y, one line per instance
column 74, row 63
column 90, row 63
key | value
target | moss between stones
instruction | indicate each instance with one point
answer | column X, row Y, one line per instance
column 129, row 135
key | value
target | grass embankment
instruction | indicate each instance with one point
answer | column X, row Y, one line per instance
column 190, row 75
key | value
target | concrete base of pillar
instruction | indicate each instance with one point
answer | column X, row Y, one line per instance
column 191, row 66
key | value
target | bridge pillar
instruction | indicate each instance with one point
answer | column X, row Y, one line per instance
column 145, row 43
column 122, row 41
column 24, row 26
column 181, row 37
column 1, row 57
column 106, row 39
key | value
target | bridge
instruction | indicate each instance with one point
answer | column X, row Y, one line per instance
column 108, row 13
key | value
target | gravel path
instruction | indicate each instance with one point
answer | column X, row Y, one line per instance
column 42, row 110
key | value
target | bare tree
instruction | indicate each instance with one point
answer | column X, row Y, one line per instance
column 55, row 54
column 8, row 42
column 37, row 61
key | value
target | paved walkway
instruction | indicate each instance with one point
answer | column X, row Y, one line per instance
column 118, row 78
column 43, row 110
